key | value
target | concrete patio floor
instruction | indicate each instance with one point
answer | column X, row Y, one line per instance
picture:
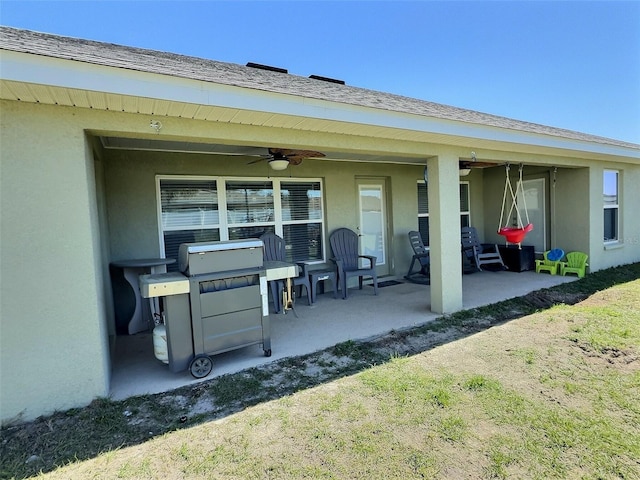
column 328, row 322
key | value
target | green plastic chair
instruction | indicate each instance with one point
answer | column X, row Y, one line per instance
column 551, row 262
column 576, row 263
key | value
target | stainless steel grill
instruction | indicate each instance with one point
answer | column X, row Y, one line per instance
column 217, row 303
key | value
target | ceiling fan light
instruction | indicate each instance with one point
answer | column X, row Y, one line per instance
column 464, row 172
column 279, row 163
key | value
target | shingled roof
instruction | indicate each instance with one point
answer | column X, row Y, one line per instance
column 165, row 63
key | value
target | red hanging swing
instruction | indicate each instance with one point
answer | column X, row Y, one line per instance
column 518, row 233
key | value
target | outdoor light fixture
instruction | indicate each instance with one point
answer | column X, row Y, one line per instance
column 156, row 125
column 279, row 163
column 465, row 170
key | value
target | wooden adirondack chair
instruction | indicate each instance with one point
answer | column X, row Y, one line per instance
column 576, row 263
column 344, row 244
column 550, row 262
column 479, row 253
column 274, row 249
column 420, row 259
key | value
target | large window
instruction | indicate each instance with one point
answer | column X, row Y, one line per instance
column 611, row 205
column 423, row 209
column 211, row 209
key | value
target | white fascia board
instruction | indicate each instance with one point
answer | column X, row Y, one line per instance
column 532, row 139
column 37, row 69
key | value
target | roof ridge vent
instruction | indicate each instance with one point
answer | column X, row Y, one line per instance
column 267, row 67
column 327, row 79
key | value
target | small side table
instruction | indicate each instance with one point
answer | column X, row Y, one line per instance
column 518, row 259
column 316, row 276
column 141, row 318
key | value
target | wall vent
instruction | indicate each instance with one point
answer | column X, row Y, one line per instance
column 267, row 67
column 327, row 79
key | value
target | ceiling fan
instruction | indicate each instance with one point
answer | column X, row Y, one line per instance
column 281, row 158
column 465, row 166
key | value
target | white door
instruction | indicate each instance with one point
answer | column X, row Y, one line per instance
column 373, row 222
column 534, row 200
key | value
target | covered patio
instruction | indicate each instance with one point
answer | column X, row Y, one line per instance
column 328, row 322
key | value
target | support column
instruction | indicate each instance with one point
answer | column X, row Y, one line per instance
column 444, row 233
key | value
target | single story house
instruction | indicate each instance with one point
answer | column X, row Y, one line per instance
column 111, row 153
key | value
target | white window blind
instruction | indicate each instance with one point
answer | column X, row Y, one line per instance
column 302, row 220
column 189, row 213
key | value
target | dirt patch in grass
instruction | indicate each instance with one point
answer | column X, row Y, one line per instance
column 524, row 345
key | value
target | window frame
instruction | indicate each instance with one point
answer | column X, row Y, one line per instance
column 466, row 213
column 613, row 206
column 224, row 225
column 423, row 215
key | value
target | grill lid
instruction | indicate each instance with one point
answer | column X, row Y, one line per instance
column 203, row 247
column 209, row 257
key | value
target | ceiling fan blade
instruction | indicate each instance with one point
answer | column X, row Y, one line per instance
column 294, row 157
column 472, row 164
column 277, row 152
column 308, row 154
column 287, row 152
column 258, row 160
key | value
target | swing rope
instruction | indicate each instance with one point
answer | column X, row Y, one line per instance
column 553, row 213
column 514, row 234
column 507, row 186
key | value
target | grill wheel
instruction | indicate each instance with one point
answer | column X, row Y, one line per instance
column 201, row 366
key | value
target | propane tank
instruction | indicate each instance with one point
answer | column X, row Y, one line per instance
column 160, row 343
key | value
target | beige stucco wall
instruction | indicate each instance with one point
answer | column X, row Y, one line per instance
column 628, row 247
column 493, row 187
column 52, row 335
column 130, row 179
column 572, row 223
column 105, row 249
column 476, row 200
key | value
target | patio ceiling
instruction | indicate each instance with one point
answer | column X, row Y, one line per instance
column 176, row 146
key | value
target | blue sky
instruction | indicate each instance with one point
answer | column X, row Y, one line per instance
column 572, row 64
